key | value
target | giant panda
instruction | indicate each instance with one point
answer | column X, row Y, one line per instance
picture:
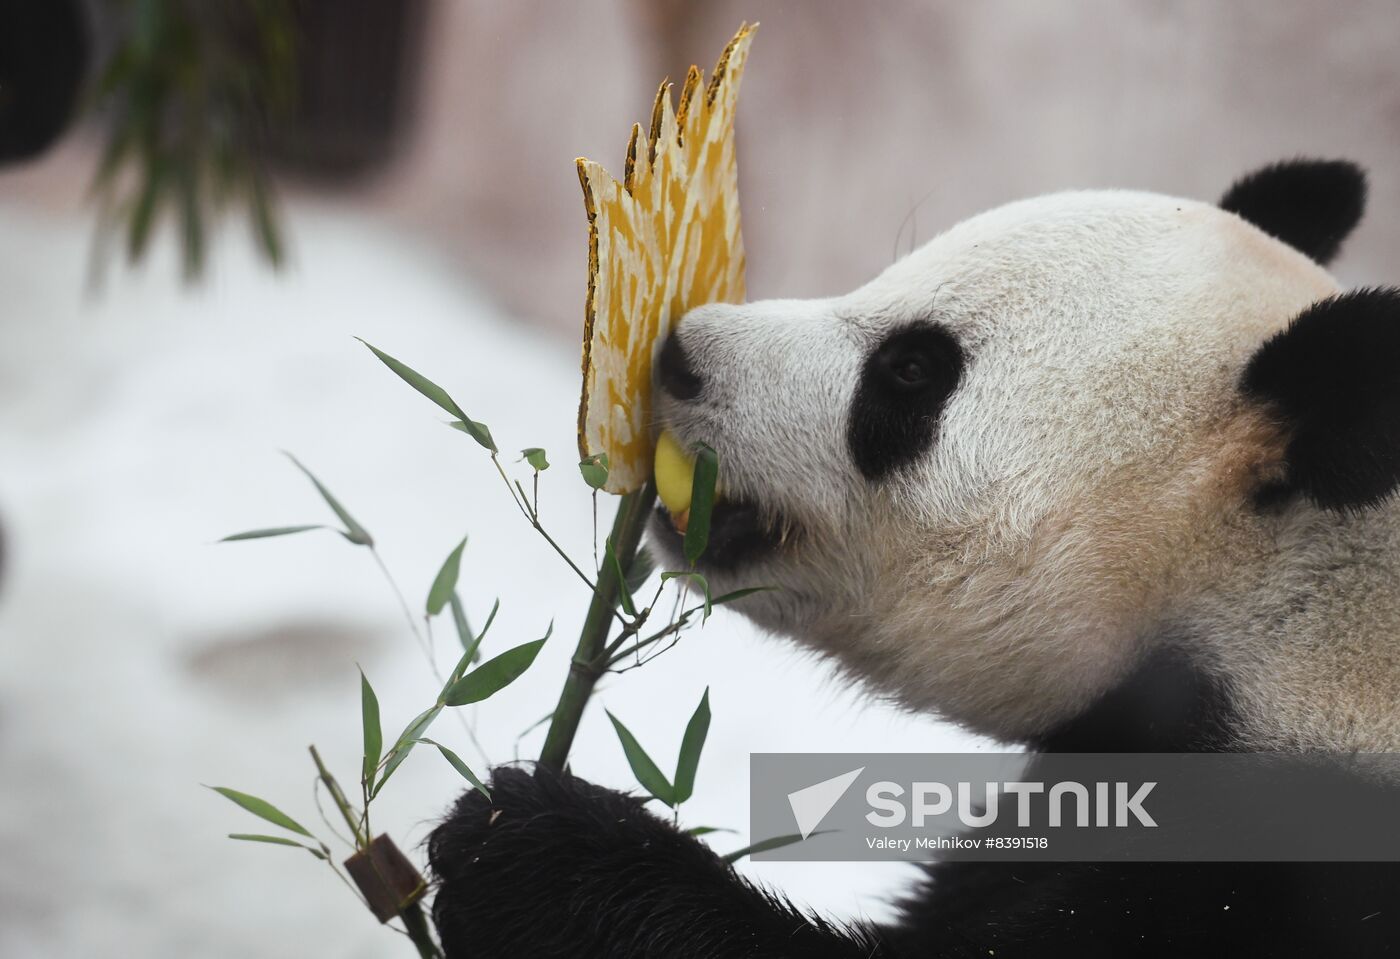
column 1095, row 471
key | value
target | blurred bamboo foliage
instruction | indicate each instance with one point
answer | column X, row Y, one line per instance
column 189, row 95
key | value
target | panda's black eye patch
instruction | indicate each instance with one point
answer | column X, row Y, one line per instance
column 899, row 399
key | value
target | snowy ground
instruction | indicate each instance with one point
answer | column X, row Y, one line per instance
column 138, row 659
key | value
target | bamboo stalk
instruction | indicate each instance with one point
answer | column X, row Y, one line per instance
column 590, row 661
column 417, row 925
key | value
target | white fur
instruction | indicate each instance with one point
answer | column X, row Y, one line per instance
column 1088, row 491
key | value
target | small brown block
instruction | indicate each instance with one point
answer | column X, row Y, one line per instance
column 386, row 877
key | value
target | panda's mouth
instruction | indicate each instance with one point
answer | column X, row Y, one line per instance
column 741, row 533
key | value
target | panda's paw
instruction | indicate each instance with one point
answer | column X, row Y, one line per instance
column 538, row 868
column 534, row 824
column 552, row 865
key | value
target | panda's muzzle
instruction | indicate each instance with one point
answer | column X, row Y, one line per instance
column 741, row 531
column 740, row 534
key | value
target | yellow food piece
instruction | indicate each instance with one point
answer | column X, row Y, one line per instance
column 662, row 241
column 675, row 474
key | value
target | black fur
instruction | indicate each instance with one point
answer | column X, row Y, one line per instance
column 1312, row 205
column 1088, row 910
column 674, row 372
column 43, row 56
column 740, row 534
column 1167, row 705
column 1333, row 376
column 905, row 382
column 556, row 867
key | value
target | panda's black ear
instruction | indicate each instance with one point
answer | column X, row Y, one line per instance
column 1312, row 205
column 1333, row 377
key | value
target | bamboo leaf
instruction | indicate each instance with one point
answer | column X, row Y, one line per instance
column 438, row 395
column 464, row 628
column 490, row 618
column 696, row 578
column 651, row 777
column 624, row 592
column 272, row 531
column 354, row 532
column 594, row 470
column 459, row 620
column 265, row 227
column 462, row 768
column 191, row 222
column 262, row 809
column 536, row 458
column 705, row 830
column 777, row 842
column 273, row 840
column 477, row 431
column 405, row 743
column 692, row 743
column 471, row 645
column 373, row 732
column 702, row 503
column 741, row 593
column 495, row 674
column 535, row 725
column 446, row 580
column 143, row 216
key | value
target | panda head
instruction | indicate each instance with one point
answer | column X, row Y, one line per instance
column 986, row 479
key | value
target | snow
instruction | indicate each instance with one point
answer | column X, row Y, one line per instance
column 140, row 659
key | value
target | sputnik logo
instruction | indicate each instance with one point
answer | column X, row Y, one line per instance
column 811, row 804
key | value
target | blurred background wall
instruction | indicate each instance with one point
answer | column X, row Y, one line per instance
column 430, row 204
column 867, row 127
column 864, row 129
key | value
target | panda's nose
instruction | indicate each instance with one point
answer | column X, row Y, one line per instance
column 674, row 373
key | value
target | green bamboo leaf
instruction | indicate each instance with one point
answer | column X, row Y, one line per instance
column 276, row 841
column 696, row 578
column 651, row 777
column 477, row 431
column 262, row 809
column 594, row 470
column 741, row 593
column 373, row 732
column 264, row 220
column 471, row 645
column 446, row 581
column 705, row 830
column 438, row 395
column 460, row 623
column 272, row 531
column 490, row 618
column 462, row 768
column 777, row 842
column 405, row 743
column 118, row 148
column 536, row 458
column 143, row 216
column 624, row 592
column 192, row 223
column 495, row 674
column 702, row 503
column 535, row 725
column 692, row 743
column 354, row 532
